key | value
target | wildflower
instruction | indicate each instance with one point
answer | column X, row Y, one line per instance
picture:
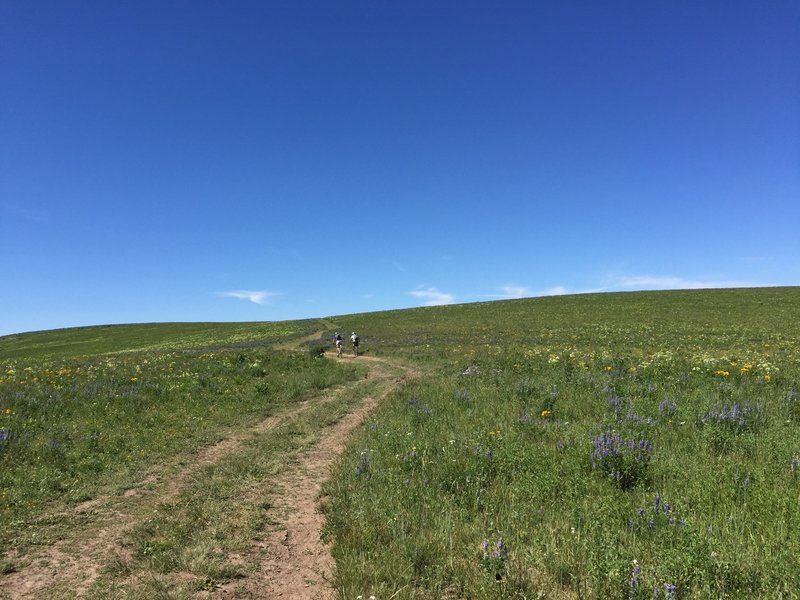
column 364, row 460
column 8, row 411
column 546, row 413
column 500, row 551
column 669, row 590
column 634, row 581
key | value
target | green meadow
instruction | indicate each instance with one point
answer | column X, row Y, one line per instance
column 628, row 445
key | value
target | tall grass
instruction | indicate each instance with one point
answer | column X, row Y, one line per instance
column 73, row 427
column 620, row 446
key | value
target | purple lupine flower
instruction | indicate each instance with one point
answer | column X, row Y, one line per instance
column 667, row 507
column 641, row 512
column 656, row 502
column 669, row 590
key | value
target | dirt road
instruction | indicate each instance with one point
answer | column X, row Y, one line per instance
column 294, row 563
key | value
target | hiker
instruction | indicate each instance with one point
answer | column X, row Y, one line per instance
column 337, row 339
column 354, row 339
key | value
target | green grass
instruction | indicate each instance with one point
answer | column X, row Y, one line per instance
column 507, row 453
column 89, row 341
column 512, row 451
column 76, row 427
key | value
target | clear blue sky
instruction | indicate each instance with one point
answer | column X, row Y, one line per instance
column 254, row 160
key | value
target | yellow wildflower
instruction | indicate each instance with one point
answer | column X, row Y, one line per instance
column 546, row 413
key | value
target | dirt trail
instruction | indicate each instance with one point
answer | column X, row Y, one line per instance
column 295, row 564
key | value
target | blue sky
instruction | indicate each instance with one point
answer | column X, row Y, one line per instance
column 236, row 161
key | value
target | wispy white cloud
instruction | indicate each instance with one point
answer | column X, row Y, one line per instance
column 256, row 297
column 433, row 297
column 514, row 291
column 670, row 282
column 511, row 292
column 558, row 290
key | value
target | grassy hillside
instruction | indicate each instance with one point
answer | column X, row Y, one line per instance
column 86, row 341
column 632, row 445
column 696, row 320
column 638, row 445
column 92, row 409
